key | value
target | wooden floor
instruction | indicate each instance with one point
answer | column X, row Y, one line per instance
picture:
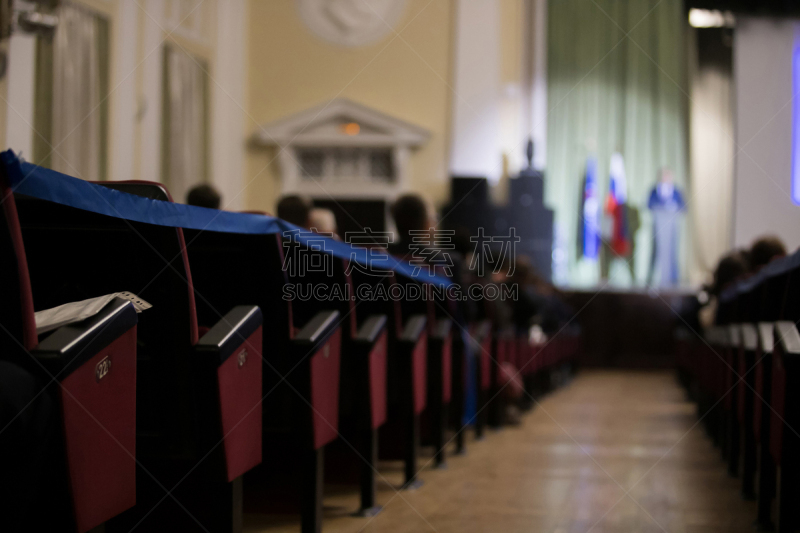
column 566, row 468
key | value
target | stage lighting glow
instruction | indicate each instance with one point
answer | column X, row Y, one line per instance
column 707, row 18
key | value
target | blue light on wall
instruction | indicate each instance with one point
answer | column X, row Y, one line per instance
column 796, row 120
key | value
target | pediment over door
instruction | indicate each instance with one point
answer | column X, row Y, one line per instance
column 343, row 149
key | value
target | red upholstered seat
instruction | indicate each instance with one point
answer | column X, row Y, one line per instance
column 778, row 403
column 406, row 366
column 197, row 398
column 302, row 349
column 94, row 366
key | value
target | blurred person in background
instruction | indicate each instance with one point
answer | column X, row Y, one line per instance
column 204, row 195
column 764, row 250
column 730, row 269
column 321, row 220
column 295, row 209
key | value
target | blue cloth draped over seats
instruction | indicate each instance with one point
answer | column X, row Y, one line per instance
column 31, row 180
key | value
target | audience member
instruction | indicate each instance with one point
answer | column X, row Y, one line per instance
column 730, row 269
column 295, row 209
column 418, row 242
column 204, row 195
column 322, row 220
column 765, row 250
column 412, row 216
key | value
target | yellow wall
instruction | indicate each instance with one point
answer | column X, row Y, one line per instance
column 408, row 77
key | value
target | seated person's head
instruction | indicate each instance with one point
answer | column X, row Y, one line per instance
column 295, row 209
column 204, row 196
column 730, row 268
column 322, row 221
column 765, row 250
column 411, row 213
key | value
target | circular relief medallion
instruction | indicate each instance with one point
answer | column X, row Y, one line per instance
column 351, row 22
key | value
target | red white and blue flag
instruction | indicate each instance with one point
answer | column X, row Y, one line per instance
column 616, row 208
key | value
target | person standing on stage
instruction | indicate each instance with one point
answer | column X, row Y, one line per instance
column 666, row 203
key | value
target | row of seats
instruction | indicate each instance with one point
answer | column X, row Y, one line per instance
column 743, row 375
column 151, row 420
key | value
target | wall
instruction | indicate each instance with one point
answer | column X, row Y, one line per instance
column 476, row 87
column 290, row 70
column 139, row 31
column 763, row 76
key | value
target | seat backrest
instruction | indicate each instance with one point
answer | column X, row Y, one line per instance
column 781, row 284
column 313, row 269
column 16, row 312
column 75, row 254
column 236, row 265
column 378, row 286
column 248, row 269
column 791, row 306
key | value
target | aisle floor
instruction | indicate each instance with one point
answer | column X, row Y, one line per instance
column 614, row 451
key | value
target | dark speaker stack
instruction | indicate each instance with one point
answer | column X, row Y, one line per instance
column 532, row 221
column 470, row 209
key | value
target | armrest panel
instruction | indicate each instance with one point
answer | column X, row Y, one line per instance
column 734, row 336
column 413, row 329
column 766, row 338
column 441, row 346
column 318, row 328
column 237, row 384
column 231, row 331
column 69, row 347
column 442, row 329
column 371, row 329
column 749, row 336
column 482, row 331
column 788, row 337
column 97, row 403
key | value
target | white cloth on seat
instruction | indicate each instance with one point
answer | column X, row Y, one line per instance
column 69, row 313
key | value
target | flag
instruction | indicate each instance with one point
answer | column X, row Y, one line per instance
column 590, row 212
column 616, row 207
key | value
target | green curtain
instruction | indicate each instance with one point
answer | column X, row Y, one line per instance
column 605, row 95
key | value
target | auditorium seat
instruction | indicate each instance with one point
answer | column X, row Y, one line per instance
column 94, row 421
column 407, row 367
column 302, row 355
column 198, row 423
column 68, row 424
column 772, row 284
column 481, row 334
column 362, row 397
column 439, row 371
column 746, row 380
column 749, row 307
column 502, row 388
column 785, row 404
